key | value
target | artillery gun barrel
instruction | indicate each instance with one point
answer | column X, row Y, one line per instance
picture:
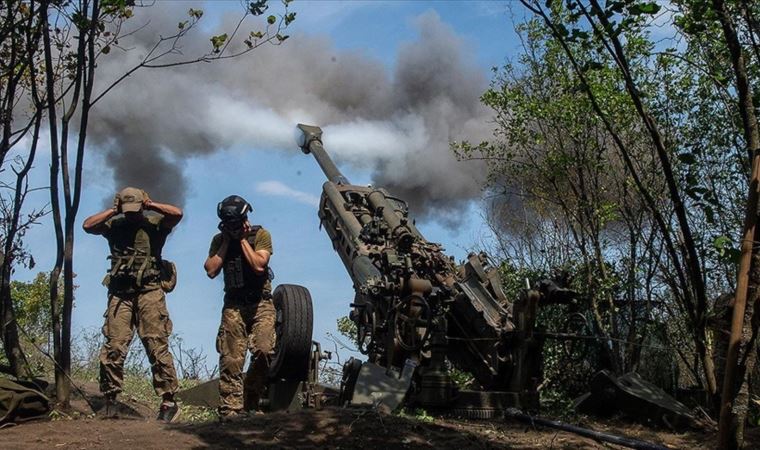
column 401, row 231
column 351, row 223
column 310, row 141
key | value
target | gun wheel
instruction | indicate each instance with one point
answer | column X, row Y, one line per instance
column 412, row 321
column 293, row 327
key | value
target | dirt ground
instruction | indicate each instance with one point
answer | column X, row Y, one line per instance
column 326, row 428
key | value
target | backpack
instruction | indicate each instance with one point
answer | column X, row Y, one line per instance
column 19, row 403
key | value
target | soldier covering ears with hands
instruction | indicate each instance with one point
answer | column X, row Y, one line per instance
column 136, row 283
column 242, row 252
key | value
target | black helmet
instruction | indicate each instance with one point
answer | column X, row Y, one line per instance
column 232, row 208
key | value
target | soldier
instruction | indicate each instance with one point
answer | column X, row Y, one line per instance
column 242, row 252
column 136, row 284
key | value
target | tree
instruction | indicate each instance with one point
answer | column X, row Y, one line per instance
column 743, row 328
column 20, row 34
column 75, row 36
column 32, row 306
column 556, row 154
column 722, row 57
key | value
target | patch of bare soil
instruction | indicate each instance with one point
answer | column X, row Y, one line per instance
column 328, row 428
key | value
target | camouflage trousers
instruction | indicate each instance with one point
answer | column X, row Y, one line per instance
column 245, row 326
column 147, row 313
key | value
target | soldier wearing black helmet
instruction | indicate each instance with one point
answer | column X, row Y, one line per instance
column 242, row 251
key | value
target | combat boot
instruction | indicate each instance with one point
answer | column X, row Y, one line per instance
column 169, row 411
column 111, row 408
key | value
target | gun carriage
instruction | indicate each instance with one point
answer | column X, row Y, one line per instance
column 417, row 311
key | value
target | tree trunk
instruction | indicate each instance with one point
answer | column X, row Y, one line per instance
column 747, row 351
column 11, row 343
column 68, row 306
column 740, row 349
column 61, row 383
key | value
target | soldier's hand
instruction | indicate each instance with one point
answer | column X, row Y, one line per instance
column 146, row 200
column 247, row 228
column 116, row 204
column 227, row 234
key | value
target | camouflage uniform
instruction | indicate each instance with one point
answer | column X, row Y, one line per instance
column 135, row 300
column 248, row 319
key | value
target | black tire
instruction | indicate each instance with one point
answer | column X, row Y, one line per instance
column 294, row 328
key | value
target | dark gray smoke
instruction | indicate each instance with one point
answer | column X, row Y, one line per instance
column 399, row 126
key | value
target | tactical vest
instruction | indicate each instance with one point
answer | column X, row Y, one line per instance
column 240, row 280
column 135, row 256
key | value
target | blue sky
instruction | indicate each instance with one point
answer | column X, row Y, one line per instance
column 281, row 185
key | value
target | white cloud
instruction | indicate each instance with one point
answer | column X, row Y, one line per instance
column 276, row 188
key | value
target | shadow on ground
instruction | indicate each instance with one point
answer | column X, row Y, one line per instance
column 336, row 428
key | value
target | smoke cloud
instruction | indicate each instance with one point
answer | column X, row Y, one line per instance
column 397, row 125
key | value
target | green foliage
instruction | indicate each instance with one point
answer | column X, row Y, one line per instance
column 195, row 13
column 644, row 8
column 581, row 183
column 117, row 8
column 258, row 7
column 347, row 328
column 461, row 378
column 419, row 414
column 515, row 279
column 218, row 41
column 139, row 388
column 558, row 404
column 726, row 250
column 31, row 301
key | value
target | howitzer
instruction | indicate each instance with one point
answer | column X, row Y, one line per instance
column 414, row 307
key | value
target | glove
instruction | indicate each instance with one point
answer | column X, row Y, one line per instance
column 117, row 203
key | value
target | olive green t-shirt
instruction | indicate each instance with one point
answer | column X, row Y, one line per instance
column 261, row 241
column 248, row 282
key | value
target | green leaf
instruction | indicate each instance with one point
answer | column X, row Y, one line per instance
column 720, row 242
column 257, row 8
column 592, row 65
column 644, row 8
column 579, row 34
column 687, row 158
column 271, row 20
column 218, row 41
column 106, row 50
column 709, row 214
